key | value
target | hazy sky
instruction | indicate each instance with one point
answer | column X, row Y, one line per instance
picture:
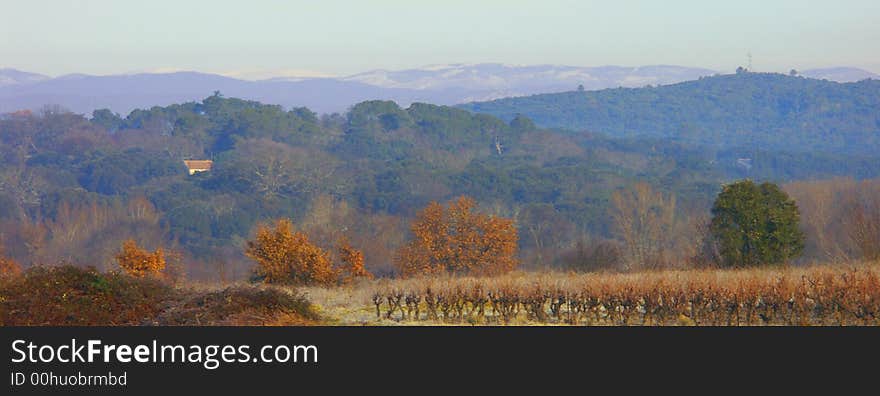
column 257, row 37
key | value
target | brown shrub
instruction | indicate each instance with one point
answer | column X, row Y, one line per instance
column 72, row 296
column 242, row 305
column 593, row 255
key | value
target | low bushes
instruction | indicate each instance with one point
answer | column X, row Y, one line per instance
column 240, row 305
column 73, row 296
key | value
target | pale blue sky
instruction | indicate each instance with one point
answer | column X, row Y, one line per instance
column 257, row 37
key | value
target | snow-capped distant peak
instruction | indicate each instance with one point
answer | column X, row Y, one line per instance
column 840, row 74
column 440, row 67
column 525, row 79
column 14, row 77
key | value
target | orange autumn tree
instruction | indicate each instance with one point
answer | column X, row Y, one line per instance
column 351, row 262
column 457, row 239
column 140, row 262
column 285, row 256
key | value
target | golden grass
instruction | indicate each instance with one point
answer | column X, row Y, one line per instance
column 813, row 295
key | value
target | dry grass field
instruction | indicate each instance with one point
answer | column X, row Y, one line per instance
column 815, row 295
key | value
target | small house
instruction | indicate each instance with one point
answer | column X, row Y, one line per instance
column 198, row 165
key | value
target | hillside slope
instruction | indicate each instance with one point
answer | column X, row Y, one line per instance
column 759, row 110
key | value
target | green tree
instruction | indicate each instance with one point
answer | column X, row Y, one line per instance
column 521, row 123
column 111, row 121
column 755, row 225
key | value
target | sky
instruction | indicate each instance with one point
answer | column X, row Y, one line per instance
column 264, row 38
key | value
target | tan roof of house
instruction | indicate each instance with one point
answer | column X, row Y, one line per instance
column 198, row 164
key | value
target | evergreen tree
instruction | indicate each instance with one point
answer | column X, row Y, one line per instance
column 755, row 225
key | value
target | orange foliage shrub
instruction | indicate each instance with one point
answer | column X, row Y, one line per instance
column 456, row 239
column 140, row 262
column 285, row 256
column 351, row 262
column 8, row 266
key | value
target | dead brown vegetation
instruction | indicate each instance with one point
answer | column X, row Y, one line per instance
column 841, row 218
column 72, row 296
column 813, row 296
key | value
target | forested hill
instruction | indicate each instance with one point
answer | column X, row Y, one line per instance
column 73, row 187
column 744, row 109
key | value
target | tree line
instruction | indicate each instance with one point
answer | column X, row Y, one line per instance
column 751, row 225
column 73, row 189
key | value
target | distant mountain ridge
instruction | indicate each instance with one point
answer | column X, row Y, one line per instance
column 439, row 84
column 527, row 79
column 14, row 77
column 124, row 93
column 840, row 74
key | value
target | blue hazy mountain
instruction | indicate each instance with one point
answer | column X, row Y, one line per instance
column 760, row 110
column 444, row 84
column 438, row 84
column 123, row 93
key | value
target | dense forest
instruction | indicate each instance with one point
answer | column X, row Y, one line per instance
column 749, row 110
column 74, row 187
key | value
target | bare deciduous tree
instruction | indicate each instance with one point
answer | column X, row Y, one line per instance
column 643, row 219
